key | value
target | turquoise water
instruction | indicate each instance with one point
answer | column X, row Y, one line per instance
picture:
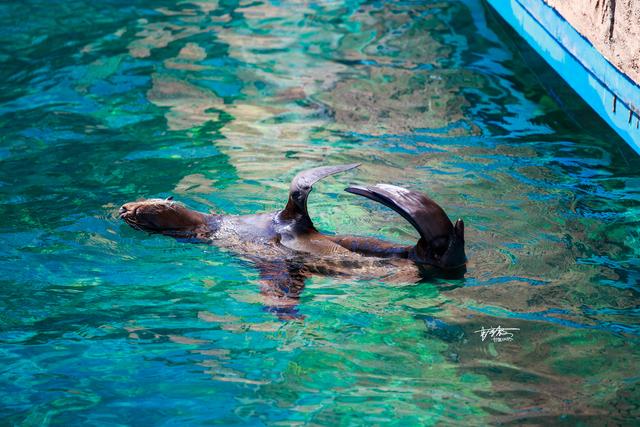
column 219, row 104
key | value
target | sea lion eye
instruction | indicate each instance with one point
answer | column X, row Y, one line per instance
column 169, row 198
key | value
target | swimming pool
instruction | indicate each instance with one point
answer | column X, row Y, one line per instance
column 219, row 104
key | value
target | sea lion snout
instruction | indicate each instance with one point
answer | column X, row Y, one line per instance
column 140, row 214
column 126, row 210
column 160, row 215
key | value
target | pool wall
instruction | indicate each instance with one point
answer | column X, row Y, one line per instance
column 611, row 92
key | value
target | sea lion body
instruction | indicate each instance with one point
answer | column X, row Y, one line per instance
column 257, row 233
column 287, row 248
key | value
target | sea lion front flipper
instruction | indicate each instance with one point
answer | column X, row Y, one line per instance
column 281, row 283
column 441, row 243
column 301, row 186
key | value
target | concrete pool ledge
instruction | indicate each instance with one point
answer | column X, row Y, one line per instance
column 612, row 93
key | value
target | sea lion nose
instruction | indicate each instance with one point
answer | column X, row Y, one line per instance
column 123, row 209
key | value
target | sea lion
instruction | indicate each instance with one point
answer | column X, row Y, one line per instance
column 286, row 247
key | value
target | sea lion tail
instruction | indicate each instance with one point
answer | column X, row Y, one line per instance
column 441, row 243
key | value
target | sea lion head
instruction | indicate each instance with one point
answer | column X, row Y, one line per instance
column 163, row 216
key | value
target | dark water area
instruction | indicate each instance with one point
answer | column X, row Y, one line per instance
column 220, row 104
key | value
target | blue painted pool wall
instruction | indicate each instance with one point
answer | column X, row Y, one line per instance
column 610, row 92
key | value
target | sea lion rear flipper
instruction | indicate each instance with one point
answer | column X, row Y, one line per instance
column 441, row 243
column 301, row 186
